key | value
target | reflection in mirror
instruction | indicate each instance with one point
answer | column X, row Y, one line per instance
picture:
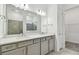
column 31, row 26
column 33, row 23
column 15, row 27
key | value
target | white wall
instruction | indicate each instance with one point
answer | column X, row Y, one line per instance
column 69, row 6
column 36, row 7
column 2, row 9
column 55, row 17
column 2, row 22
column 72, row 24
column 52, row 19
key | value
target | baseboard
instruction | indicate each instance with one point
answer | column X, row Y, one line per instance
column 61, row 49
column 49, row 52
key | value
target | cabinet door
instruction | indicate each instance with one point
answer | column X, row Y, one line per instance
column 20, row 51
column 34, row 49
column 51, row 44
column 44, row 47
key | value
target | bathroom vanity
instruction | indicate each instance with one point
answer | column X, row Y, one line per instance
column 27, row 45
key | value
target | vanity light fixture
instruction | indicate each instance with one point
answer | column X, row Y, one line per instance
column 22, row 6
column 16, row 5
column 26, row 7
column 41, row 12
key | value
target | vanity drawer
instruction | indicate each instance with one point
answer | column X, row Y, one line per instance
column 8, row 47
column 43, row 39
column 37, row 40
column 24, row 43
column 48, row 38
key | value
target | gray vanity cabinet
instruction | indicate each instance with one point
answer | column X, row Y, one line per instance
column 36, row 46
column 44, row 46
column 34, row 49
column 19, row 51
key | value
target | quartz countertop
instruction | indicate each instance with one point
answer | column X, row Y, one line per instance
column 21, row 38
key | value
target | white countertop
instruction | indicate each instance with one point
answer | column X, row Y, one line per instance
column 21, row 38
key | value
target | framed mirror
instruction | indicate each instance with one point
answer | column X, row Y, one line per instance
column 14, row 20
column 33, row 23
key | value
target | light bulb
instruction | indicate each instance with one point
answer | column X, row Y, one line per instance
column 26, row 7
column 21, row 6
column 43, row 13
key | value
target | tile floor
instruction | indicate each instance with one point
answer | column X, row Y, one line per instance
column 72, row 46
column 65, row 51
